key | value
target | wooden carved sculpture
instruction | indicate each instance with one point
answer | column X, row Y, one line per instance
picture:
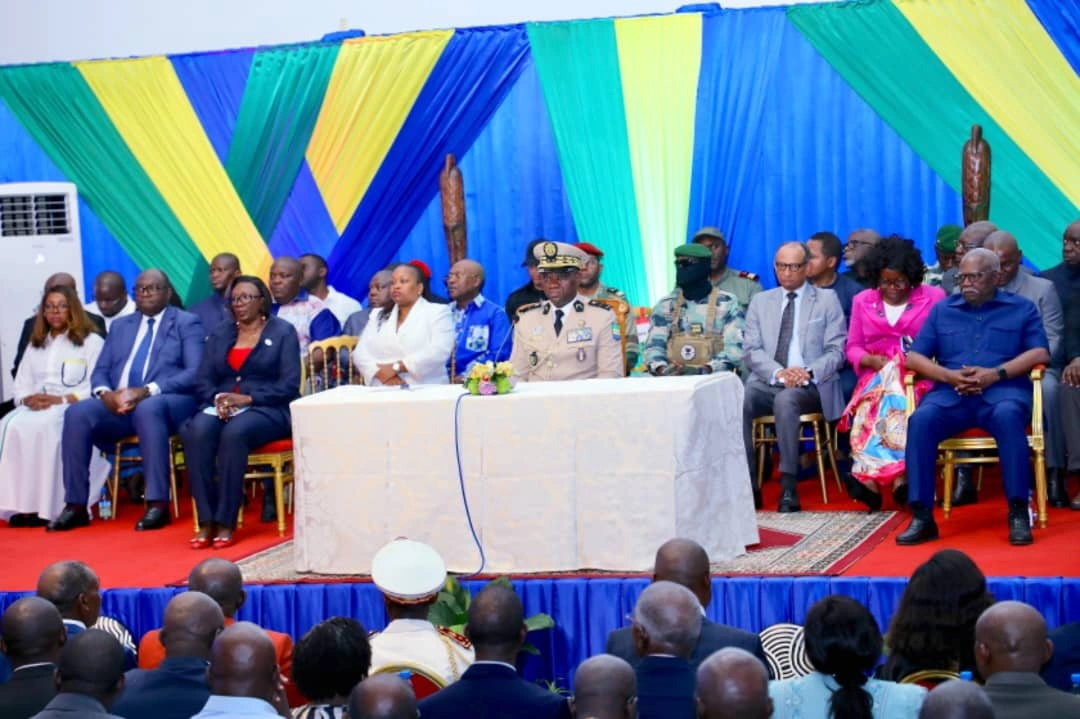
column 975, row 177
column 452, row 191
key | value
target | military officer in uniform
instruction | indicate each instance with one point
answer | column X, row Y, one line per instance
column 590, row 286
column 410, row 575
column 743, row 285
column 697, row 329
column 567, row 336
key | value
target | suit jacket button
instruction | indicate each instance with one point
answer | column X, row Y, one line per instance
column 238, row 378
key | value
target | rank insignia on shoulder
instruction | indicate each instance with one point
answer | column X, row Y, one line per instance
column 749, row 275
column 600, row 303
column 528, row 307
column 455, row 637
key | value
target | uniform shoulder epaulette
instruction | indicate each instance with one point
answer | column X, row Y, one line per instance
column 601, row 303
column 526, row 308
column 455, row 637
column 749, row 275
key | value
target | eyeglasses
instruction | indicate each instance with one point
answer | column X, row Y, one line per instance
column 858, row 243
column 968, row 277
column 147, row 289
column 898, row 284
column 688, row 261
column 789, row 266
column 243, row 299
column 55, row 308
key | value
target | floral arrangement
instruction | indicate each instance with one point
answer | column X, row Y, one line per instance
column 490, row 378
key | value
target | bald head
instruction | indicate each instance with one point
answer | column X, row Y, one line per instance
column 243, row 663
column 382, row 696
column 972, row 236
column 1004, row 245
column 109, row 293
column 465, row 281
column 1000, row 240
column 221, row 580
column 604, row 686
column 92, row 663
column 74, row 590
column 1011, row 637
column 685, row 562
column 192, row 621
column 667, row 620
column 957, row 699
column 33, row 631
column 732, row 684
column 496, row 623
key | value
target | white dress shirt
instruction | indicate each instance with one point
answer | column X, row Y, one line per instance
column 340, row 304
column 795, row 358
column 127, row 309
column 125, row 374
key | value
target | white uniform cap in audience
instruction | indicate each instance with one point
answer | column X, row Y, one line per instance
column 408, row 572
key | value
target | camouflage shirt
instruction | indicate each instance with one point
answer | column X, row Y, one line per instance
column 744, row 285
column 933, row 275
column 728, row 323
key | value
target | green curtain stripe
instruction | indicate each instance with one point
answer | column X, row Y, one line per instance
column 281, row 104
column 905, row 82
column 63, row 115
column 578, row 66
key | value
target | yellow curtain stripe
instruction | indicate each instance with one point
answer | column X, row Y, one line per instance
column 372, row 90
column 1002, row 55
column 148, row 105
column 660, row 60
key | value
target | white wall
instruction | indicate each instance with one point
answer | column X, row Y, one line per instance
column 48, row 30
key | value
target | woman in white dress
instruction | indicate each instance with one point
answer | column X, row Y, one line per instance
column 411, row 343
column 54, row 372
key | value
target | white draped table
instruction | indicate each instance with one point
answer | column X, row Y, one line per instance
column 592, row 474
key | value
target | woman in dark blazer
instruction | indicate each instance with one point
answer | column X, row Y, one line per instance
column 250, row 372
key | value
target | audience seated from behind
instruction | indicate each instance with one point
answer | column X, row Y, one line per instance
column 843, row 643
column 111, row 300
column 491, row 687
column 249, row 374
column 411, row 344
column 313, row 280
column 605, row 687
column 89, row 677
column 481, row 328
column 54, row 372
column 685, row 562
column 244, row 678
column 933, row 627
column 1010, row 647
column 214, row 310
column 177, row 689
column 666, row 628
column 957, row 699
column 32, row 637
column 383, row 696
column 307, row 313
column 328, row 662
column 378, row 299
column 733, row 684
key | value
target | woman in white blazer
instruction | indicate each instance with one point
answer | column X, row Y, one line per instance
column 411, row 343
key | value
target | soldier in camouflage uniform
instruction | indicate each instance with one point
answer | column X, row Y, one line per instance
column 698, row 328
column 589, row 285
column 945, row 248
column 743, row 285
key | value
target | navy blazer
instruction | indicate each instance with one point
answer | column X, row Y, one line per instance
column 270, row 374
column 74, row 706
column 177, row 689
column 1066, row 659
column 174, row 356
column 665, row 688
column 494, row 691
column 713, row 638
column 27, row 692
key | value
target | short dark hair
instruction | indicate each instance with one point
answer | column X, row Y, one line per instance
column 266, row 300
column 320, row 261
column 75, row 578
column 91, row 663
column 496, row 616
column 898, row 254
column 332, row 658
column 830, row 243
column 843, row 640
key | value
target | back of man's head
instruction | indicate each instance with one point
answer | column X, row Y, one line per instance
column 957, row 699
column 382, row 696
column 733, row 684
column 684, row 562
column 92, row 664
column 496, row 623
column 1011, row 637
column 605, row 687
column 33, row 632
column 220, row 580
column 73, row 588
column 667, row 620
column 192, row 622
column 243, row 663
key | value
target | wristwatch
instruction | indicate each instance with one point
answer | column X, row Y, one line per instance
column 1002, row 374
column 396, row 367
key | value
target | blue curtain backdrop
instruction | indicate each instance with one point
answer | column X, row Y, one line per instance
column 1061, row 19
column 585, row 610
column 305, row 225
column 23, row 160
column 514, row 193
column 214, row 83
column 468, row 83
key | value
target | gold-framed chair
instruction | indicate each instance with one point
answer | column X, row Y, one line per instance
column 176, row 460
column 929, row 678
column 425, row 681
column 821, row 436
column 327, row 370
column 976, row 440
column 621, row 308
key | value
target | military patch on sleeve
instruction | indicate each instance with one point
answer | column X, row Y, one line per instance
column 616, row 331
column 455, row 637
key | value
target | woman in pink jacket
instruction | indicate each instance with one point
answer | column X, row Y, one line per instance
column 884, row 320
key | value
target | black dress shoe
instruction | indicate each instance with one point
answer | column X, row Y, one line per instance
column 919, row 531
column 1019, row 524
column 22, row 521
column 861, row 493
column 70, row 518
column 789, row 501
column 1056, row 496
column 964, row 492
column 154, row 518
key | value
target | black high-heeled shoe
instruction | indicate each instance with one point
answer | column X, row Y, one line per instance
column 859, row 492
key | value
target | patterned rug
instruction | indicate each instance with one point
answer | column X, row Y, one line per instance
column 806, row 543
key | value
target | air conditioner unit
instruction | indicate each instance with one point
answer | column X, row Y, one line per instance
column 39, row 236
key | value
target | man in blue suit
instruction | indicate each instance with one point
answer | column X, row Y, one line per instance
column 143, row 385
column 491, row 687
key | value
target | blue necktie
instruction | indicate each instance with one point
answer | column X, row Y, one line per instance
column 135, row 377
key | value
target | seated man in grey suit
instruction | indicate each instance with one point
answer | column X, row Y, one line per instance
column 685, row 562
column 793, row 346
column 89, row 677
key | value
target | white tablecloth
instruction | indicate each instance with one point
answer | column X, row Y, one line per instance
column 559, row 475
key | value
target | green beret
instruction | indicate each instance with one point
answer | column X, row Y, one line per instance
column 946, row 238
column 693, row 250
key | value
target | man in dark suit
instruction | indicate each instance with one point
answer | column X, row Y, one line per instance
column 1066, row 660
column 143, row 385
column 667, row 626
column 177, row 689
column 491, row 687
column 733, row 684
column 957, row 699
column 383, row 696
column 685, row 562
column 213, row 310
column 1010, row 647
column 89, row 675
column 33, row 635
